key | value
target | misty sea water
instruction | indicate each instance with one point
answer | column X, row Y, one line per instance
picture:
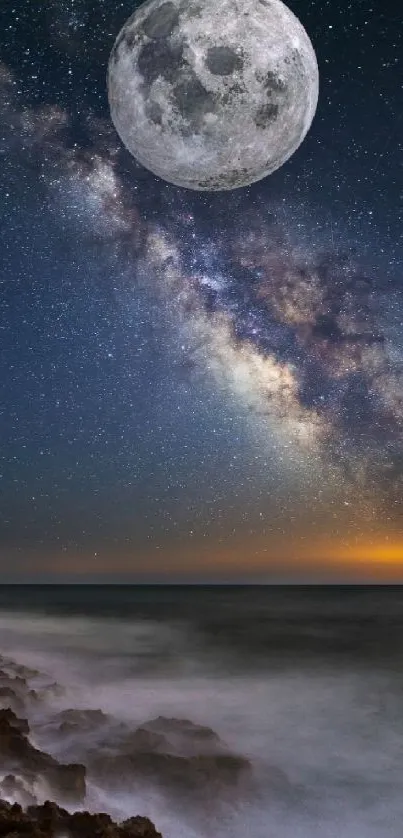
column 306, row 681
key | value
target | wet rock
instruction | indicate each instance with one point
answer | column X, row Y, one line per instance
column 184, row 736
column 47, row 814
column 138, row 827
column 8, row 698
column 17, row 789
column 15, row 692
column 177, row 755
column 11, row 666
column 76, row 721
column 18, row 755
column 18, row 677
column 84, row 823
column 11, row 815
column 9, row 719
column 49, row 820
column 178, row 737
column 182, row 774
column 67, row 781
column 24, row 671
column 144, row 740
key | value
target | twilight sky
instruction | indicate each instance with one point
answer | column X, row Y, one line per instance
column 199, row 385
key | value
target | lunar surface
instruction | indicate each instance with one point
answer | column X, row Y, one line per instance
column 212, row 94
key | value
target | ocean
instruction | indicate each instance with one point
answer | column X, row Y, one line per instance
column 305, row 683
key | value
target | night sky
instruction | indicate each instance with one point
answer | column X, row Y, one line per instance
column 199, row 386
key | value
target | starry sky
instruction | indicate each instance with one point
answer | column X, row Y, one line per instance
column 199, row 386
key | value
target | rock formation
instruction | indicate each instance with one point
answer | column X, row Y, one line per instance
column 50, row 820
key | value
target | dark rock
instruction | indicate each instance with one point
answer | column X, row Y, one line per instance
column 138, row 827
column 18, row 668
column 15, row 692
column 75, row 721
column 50, row 819
column 48, row 813
column 18, row 755
column 14, row 787
column 9, row 719
column 178, row 736
column 66, row 780
column 176, row 754
column 144, row 740
column 25, row 671
column 83, row 823
column 8, row 698
column 203, row 777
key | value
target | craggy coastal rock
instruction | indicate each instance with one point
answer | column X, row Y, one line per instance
column 9, row 720
column 78, row 733
column 177, row 755
column 185, row 761
column 8, row 665
column 50, row 820
column 80, row 721
column 19, row 757
column 17, row 789
column 15, row 691
column 22, row 765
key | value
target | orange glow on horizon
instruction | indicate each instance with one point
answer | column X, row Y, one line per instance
column 375, row 558
column 385, row 552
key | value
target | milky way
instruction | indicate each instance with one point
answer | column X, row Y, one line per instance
column 295, row 334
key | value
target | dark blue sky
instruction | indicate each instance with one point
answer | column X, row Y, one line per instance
column 197, row 383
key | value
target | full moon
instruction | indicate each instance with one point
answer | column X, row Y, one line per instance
column 212, row 94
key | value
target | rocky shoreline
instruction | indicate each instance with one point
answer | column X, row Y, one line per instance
column 51, row 820
column 175, row 756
